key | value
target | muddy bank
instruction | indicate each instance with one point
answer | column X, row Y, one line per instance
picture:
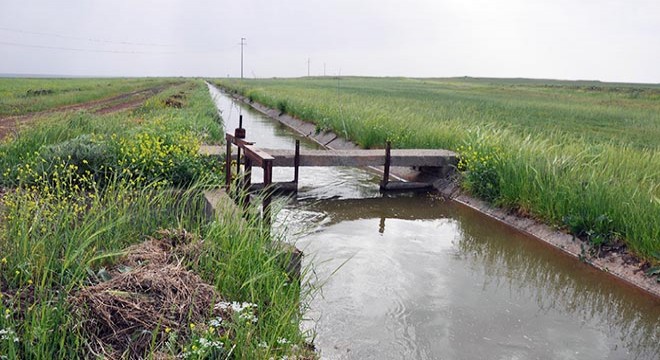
column 618, row 265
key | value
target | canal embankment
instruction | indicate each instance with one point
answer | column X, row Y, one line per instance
column 621, row 266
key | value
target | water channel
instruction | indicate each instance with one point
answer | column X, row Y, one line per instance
column 418, row 277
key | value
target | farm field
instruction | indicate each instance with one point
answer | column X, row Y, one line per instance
column 20, row 96
column 105, row 249
column 582, row 156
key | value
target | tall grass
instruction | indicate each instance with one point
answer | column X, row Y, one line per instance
column 581, row 157
column 50, row 245
column 64, row 218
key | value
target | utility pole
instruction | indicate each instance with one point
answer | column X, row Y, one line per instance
column 308, row 61
column 323, row 69
column 243, row 43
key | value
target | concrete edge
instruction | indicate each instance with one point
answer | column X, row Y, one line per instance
column 612, row 264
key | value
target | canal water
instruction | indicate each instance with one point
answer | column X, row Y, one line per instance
column 418, row 277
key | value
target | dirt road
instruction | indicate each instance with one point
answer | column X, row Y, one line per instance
column 130, row 100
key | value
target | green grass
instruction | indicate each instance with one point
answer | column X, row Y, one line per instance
column 81, row 188
column 579, row 155
column 20, row 96
column 153, row 142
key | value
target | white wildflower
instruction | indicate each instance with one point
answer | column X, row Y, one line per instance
column 204, row 342
column 8, row 334
column 238, row 307
column 217, row 322
column 234, row 306
column 248, row 317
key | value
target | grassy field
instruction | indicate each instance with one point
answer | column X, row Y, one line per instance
column 105, row 251
column 583, row 156
column 22, row 96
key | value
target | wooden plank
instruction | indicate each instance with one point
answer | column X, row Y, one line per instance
column 399, row 157
column 259, row 156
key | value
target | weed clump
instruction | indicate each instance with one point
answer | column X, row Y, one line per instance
column 175, row 101
column 479, row 167
column 38, row 92
column 146, row 297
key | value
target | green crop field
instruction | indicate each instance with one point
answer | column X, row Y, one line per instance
column 20, row 96
column 583, row 156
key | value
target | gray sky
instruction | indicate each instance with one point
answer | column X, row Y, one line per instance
column 609, row 40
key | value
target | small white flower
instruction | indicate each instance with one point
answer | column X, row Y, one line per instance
column 239, row 307
column 8, row 334
column 248, row 317
column 234, row 306
column 206, row 343
column 217, row 322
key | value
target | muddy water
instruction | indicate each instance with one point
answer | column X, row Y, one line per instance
column 408, row 277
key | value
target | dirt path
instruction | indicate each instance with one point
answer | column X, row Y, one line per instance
column 116, row 103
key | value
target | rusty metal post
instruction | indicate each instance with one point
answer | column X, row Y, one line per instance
column 239, row 133
column 247, row 180
column 296, row 163
column 228, row 165
column 248, row 173
column 268, row 194
column 386, row 168
column 238, row 161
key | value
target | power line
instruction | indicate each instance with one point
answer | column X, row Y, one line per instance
column 106, row 51
column 71, row 49
column 84, row 38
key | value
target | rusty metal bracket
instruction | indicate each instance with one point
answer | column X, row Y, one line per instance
column 386, row 167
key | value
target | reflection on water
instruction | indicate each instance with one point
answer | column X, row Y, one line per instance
column 615, row 320
column 424, row 278
column 421, row 278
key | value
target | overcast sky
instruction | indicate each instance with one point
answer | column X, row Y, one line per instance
column 608, row 40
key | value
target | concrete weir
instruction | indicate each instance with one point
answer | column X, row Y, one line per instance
column 613, row 264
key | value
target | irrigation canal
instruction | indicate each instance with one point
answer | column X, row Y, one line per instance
column 417, row 277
